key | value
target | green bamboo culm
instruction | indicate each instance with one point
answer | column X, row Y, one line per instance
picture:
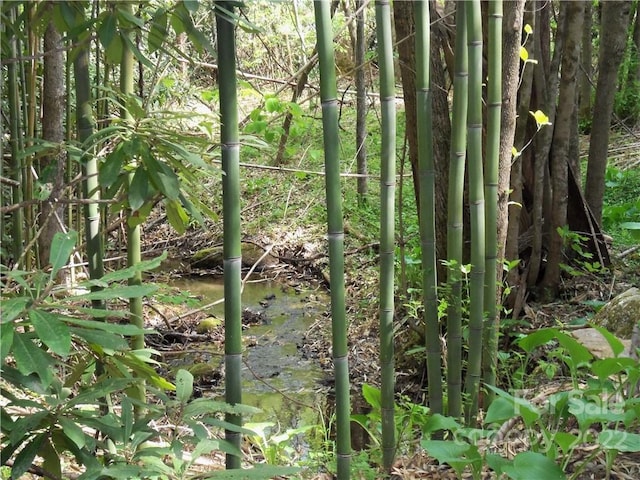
column 89, row 163
column 455, row 219
column 476, row 201
column 494, row 112
column 229, row 139
column 17, row 225
column 387, row 227
column 328, row 95
column 133, row 227
column 427, row 203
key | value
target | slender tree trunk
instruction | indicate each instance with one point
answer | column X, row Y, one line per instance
column 229, row 138
column 561, row 140
column 613, row 39
column 586, row 67
column 387, row 228
column 361, row 101
column 53, row 112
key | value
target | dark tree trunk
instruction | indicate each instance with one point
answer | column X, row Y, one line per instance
column 561, row 144
column 404, row 27
column 586, row 69
column 52, row 166
column 613, row 37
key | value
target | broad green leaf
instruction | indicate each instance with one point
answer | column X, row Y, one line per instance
column 438, row 422
column 106, row 340
column 27, row 424
column 606, row 367
column 107, row 28
column 497, row 463
column 566, row 441
column 121, row 329
column 12, row 308
column 54, row 333
column 139, row 191
column 633, row 227
column 205, row 406
column 24, row 459
column 533, row 466
column 51, row 461
column 129, row 291
column 73, row 432
column 522, row 407
column 617, row 347
column 176, row 215
column 111, row 168
column 184, row 385
column 163, row 178
column 257, row 472
column 191, row 5
column 158, row 32
column 372, row 395
column 31, row 359
column 127, row 273
column 500, row 410
column 6, row 340
column 455, row 453
column 62, row 246
column 619, row 440
column 588, row 413
column 114, row 51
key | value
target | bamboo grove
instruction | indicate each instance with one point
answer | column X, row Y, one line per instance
column 113, row 157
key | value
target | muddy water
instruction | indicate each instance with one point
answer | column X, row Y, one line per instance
column 276, row 377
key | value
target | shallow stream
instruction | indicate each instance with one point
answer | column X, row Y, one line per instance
column 276, row 376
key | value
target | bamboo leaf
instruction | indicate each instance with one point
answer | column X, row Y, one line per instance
column 163, row 178
column 126, row 41
column 107, row 29
column 62, row 246
column 115, row 328
column 129, row 291
column 107, row 341
column 54, row 333
column 50, row 459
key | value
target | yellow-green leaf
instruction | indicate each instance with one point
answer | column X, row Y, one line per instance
column 527, row 29
column 524, row 55
column 541, row 118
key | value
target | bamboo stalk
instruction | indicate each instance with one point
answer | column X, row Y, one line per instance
column 229, row 138
column 427, row 204
column 476, row 201
column 494, row 112
column 328, row 95
column 387, row 227
column 455, row 219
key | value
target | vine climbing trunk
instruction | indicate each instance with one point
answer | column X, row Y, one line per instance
column 229, row 138
column 330, row 128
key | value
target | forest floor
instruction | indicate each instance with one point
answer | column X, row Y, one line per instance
column 301, row 253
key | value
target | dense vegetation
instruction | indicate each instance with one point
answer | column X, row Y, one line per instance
column 185, row 123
